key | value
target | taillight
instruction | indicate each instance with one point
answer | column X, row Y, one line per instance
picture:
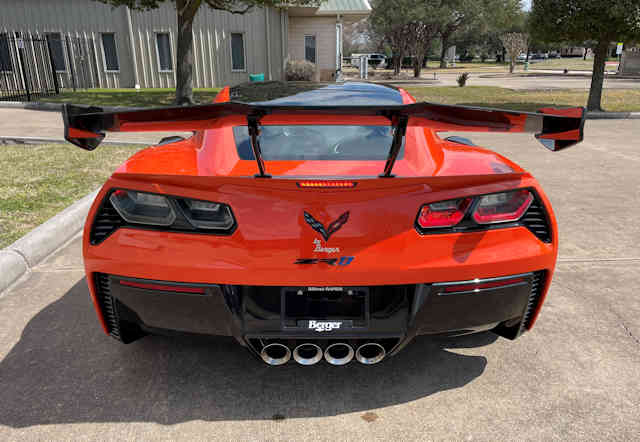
column 502, row 207
column 143, row 208
column 174, row 213
column 206, row 215
column 443, row 214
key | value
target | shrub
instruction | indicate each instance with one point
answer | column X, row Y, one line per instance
column 462, row 79
column 300, row 70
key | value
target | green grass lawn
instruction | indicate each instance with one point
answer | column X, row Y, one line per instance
column 36, row 182
column 571, row 63
column 129, row 97
column 614, row 100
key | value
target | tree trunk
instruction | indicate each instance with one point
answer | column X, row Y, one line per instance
column 417, row 65
column 443, row 54
column 186, row 10
column 396, row 59
column 512, row 65
column 597, row 78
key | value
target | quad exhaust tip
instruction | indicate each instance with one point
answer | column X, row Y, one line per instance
column 275, row 354
column 370, row 353
column 338, row 353
column 307, row 354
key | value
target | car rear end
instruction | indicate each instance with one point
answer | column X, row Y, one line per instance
column 403, row 263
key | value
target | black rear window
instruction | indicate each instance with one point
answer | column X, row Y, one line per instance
column 313, row 142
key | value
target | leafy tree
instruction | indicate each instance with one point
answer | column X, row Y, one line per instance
column 186, row 11
column 514, row 43
column 455, row 15
column 389, row 18
column 408, row 27
column 603, row 21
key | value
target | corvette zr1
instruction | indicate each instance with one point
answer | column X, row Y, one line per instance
column 317, row 222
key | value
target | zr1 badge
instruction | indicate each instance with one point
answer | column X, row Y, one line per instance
column 325, row 326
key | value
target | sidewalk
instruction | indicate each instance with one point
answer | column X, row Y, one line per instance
column 42, row 124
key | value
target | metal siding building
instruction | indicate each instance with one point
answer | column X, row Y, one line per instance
column 111, row 47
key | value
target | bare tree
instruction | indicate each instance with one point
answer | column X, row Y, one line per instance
column 514, row 43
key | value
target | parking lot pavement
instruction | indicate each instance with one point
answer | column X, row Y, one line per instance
column 47, row 124
column 576, row 376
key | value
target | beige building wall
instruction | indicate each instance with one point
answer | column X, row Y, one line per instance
column 263, row 30
column 324, row 28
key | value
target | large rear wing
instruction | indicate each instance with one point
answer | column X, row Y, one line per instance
column 556, row 129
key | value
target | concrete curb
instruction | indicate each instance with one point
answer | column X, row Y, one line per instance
column 613, row 115
column 52, row 107
column 21, row 256
column 55, row 107
column 41, row 140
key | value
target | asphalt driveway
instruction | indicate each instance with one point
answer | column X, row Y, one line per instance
column 576, row 376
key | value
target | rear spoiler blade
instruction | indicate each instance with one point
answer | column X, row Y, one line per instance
column 556, row 129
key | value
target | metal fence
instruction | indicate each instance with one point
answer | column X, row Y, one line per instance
column 26, row 71
column 33, row 66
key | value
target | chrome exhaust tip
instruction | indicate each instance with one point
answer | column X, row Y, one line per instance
column 307, row 354
column 275, row 354
column 370, row 353
column 338, row 353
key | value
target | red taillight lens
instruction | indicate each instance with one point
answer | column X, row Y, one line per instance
column 443, row 214
column 502, row 207
column 474, row 287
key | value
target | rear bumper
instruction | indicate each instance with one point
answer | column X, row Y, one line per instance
column 132, row 307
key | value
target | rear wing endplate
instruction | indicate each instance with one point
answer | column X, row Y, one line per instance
column 556, row 129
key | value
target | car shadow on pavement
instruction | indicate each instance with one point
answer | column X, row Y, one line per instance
column 65, row 370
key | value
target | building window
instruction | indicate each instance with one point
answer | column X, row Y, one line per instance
column 237, row 52
column 5, row 55
column 57, row 52
column 310, row 48
column 163, row 45
column 109, row 52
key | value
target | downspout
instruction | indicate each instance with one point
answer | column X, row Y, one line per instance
column 268, row 32
column 133, row 48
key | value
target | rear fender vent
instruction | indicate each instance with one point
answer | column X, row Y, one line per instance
column 107, row 221
column 537, row 221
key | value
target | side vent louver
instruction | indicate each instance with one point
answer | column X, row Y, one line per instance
column 537, row 285
column 536, row 220
column 106, row 222
column 108, row 305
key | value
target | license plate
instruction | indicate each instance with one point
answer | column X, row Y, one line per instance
column 324, row 326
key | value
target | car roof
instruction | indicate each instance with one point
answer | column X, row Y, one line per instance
column 316, row 94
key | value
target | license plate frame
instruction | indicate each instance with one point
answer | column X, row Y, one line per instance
column 357, row 297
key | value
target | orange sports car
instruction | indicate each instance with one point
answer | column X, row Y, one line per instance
column 315, row 222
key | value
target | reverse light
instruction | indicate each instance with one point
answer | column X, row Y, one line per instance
column 443, row 214
column 502, row 207
column 143, row 208
column 206, row 215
